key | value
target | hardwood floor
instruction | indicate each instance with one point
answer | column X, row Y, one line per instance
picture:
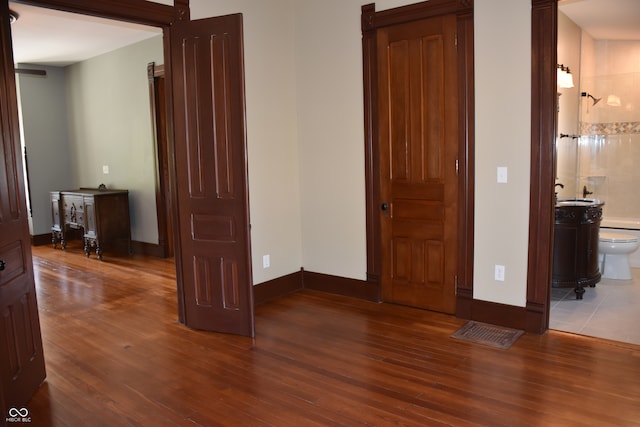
column 116, row 356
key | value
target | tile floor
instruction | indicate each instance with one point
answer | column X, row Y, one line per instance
column 610, row 310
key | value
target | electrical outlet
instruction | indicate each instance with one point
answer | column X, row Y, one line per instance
column 105, row 169
column 499, row 273
column 266, row 261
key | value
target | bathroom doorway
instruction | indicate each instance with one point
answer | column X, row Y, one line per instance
column 598, row 149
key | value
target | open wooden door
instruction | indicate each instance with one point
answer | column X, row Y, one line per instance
column 210, row 159
column 21, row 359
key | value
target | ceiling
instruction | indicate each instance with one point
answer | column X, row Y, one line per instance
column 49, row 37
column 605, row 19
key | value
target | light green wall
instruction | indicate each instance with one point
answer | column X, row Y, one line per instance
column 110, row 124
column 43, row 117
column 319, row 219
column 90, row 114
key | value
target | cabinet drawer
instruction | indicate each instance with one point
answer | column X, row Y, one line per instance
column 73, row 211
column 55, row 211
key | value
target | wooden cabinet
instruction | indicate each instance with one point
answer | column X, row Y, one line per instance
column 575, row 246
column 56, row 223
column 101, row 217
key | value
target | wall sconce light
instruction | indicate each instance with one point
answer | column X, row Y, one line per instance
column 565, row 78
column 13, row 16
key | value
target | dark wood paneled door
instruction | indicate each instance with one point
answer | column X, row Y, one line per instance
column 210, row 150
column 21, row 358
column 165, row 218
column 418, row 125
column 158, row 105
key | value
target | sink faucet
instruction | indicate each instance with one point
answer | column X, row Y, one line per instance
column 585, row 192
column 556, row 193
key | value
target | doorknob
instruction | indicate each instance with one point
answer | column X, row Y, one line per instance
column 2, row 264
column 386, row 209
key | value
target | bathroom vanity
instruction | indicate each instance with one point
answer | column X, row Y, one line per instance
column 575, row 244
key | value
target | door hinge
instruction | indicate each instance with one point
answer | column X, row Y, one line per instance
column 457, row 166
column 455, row 40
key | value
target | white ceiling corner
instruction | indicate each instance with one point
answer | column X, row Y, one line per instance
column 605, row 19
column 50, row 37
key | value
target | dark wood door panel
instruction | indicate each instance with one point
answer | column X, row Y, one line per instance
column 13, row 265
column 21, row 348
column 21, row 358
column 212, row 174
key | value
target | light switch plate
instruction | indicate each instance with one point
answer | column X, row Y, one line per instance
column 502, row 174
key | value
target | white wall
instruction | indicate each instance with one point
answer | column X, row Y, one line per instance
column 110, row 124
column 331, row 136
column 503, row 135
column 312, row 59
column 272, row 130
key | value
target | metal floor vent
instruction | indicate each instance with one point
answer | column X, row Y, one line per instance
column 483, row 333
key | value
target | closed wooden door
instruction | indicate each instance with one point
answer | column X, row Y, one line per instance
column 418, row 128
column 215, row 281
column 21, row 358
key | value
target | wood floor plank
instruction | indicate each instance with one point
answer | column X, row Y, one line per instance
column 116, row 356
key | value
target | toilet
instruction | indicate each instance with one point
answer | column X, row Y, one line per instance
column 613, row 253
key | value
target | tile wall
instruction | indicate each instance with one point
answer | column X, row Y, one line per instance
column 608, row 155
column 604, row 156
